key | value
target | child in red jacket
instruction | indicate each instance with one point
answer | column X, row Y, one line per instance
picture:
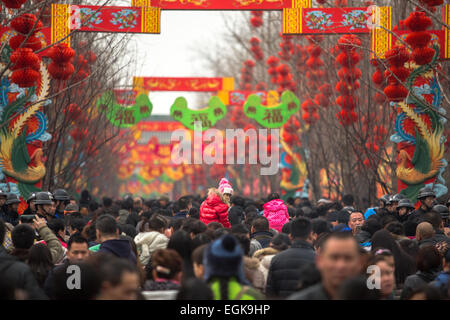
column 214, row 208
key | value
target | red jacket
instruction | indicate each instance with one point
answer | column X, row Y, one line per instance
column 213, row 209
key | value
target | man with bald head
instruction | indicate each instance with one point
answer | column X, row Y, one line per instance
column 425, row 234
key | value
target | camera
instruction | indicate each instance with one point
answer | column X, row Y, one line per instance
column 27, row 218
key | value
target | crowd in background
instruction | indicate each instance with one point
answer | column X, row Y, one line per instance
column 224, row 247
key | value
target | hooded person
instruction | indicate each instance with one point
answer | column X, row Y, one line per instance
column 276, row 212
column 214, row 209
column 224, row 270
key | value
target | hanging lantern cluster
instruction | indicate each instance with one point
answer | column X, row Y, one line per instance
column 310, row 114
column 255, row 48
column 348, row 75
column 287, row 48
column 25, row 63
column 379, row 80
column 396, row 58
column 419, row 39
column 285, row 79
column 273, row 63
column 247, row 75
column 290, row 135
column 256, row 19
column 61, row 68
column 13, row 4
column 315, row 75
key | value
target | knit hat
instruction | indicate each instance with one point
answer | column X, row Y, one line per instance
column 225, row 186
column 224, row 258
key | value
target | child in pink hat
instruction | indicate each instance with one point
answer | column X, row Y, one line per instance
column 226, row 189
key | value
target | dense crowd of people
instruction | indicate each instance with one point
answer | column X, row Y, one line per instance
column 223, row 247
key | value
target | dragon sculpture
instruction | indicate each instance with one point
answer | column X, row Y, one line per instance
column 419, row 132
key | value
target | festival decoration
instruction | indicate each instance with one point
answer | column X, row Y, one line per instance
column 102, row 19
column 208, row 116
column 21, row 156
column 256, row 21
column 348, row 58
column 183, row 84
column 61, row 67
column 419, row 125
column 222, row 4
column 255, row 48
column 273, row 116
column 247, row 75
column 121, row 116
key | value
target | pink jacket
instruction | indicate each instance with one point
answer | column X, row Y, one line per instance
column 276, row 212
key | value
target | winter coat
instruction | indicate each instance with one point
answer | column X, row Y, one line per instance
column 149, row 242
column 213, row 209
column 442, row 282
column 265, row 258
column 132, row 219
column 118, row 247
column 263, row 237
column 254, row 246
column 236, row 215
column 53, row 244
column 276, row 212
column 9, row 216
column 180, row 215
column 19, row 275
column 284, row 271
column 236, row 290
column 440, row 236
column 123, row 216
column 427, row 242
column 315, row 292
column 417, row 280
column 253, row 274
column 364, row 238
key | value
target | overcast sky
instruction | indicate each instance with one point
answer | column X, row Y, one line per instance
column 171, row 53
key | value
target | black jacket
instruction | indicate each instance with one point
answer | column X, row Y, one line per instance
column 118, row 247
column 440, row 236
column 427, row 242
column 19, row 275
column 10, row 216
column 315, row 292
column 416, row 281
column 417, row 216
column 284, row 272
column 263, row 237
column 235, row 215
column 363, row 237
column 133, row 219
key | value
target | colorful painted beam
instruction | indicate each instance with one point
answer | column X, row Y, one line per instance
column 183, row 84
column 226, row 4
column 375, row 20
column 67, row 18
